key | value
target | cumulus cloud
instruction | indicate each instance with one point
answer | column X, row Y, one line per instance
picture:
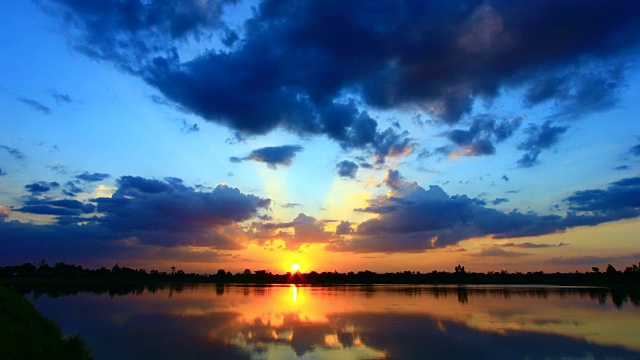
column 304, row 230
column 344, row 228
column 41, row 187
column 92, row 177
column 411, row 218
column 539, row 137
column 169, row 206
column 157, row 213
column 272, row 155
column 347, row 168
column 15, row 153
column 295, row 65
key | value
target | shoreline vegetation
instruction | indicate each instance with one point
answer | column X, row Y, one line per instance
column 26, row 334
column 62, row 273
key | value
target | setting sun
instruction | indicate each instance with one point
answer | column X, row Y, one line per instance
column 295, row 267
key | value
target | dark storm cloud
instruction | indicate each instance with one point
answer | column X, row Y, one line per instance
column 35, row 105
column 479, row 139
column 92, row 177
column 347, row 168
column 411, row 218
column 294, row 61
column 13, row 152
column 539, row 137
column 41, row 186
column 272, row 155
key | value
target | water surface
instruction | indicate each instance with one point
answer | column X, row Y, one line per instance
column 350, row 322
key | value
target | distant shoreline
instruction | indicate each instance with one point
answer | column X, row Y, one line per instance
column 72, row 275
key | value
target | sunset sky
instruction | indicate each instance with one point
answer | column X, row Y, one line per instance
column 337, row 135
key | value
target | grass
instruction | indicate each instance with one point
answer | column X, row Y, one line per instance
column 26, row 334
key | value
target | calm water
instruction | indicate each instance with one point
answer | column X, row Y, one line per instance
column 350, row 322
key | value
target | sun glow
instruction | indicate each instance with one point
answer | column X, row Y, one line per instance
column 295, row 267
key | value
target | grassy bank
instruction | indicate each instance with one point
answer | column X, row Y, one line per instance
column 25, row 334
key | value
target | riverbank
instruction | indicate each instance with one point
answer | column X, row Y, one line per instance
column 26, row 334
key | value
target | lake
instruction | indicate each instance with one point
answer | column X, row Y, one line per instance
column 349, row 322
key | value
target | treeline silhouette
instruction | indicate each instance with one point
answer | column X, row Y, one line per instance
column 62, row 272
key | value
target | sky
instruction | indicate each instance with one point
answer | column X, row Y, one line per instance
column 339, row 136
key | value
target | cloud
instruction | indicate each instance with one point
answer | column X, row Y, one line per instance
column 189, row 128
column 272, row 155
column 620, row 199
column 58, row 169
column 590, row 260
column 305, row 230
column 498, row 201
column 505, row 178
column 497, row 252
column 2, row 172
column 64, row 207
column 347, row 168
column 539, row 137
column 578, row 92
column 41, row 186
column 635, row 150
column 303, row 66
column 290, row 205
column 344, row 228
column 17, row 154
column 156, row 213
column 479, row 139
column 412, row 219
column 35, row 105
column 169, row 206
column 92, row 177
column 71, row 189
column 62, row 98
column 529, row 245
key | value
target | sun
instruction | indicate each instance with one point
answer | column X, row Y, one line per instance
column 295, row 267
